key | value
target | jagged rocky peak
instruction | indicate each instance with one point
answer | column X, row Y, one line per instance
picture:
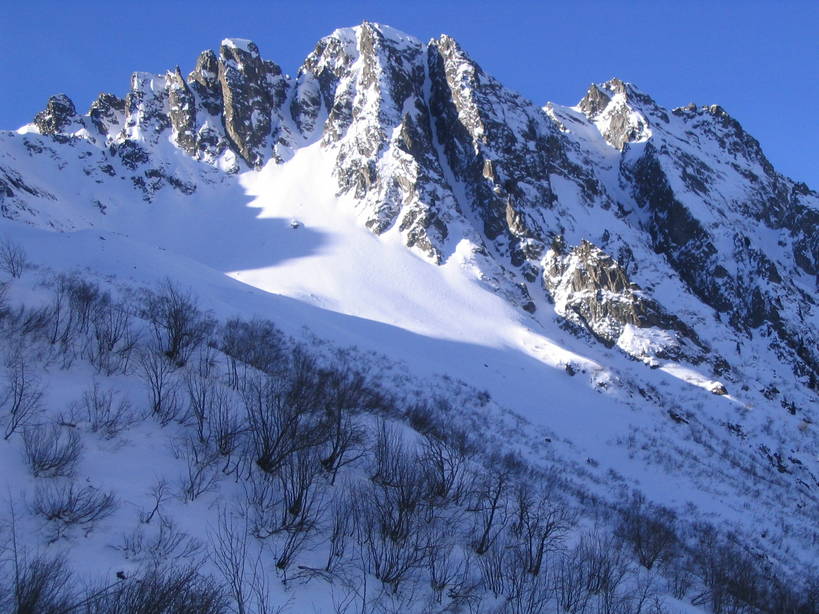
column 365, row 72
column 715, row 122
column 251, row 89
column 595, row 101
column 182, row 111
column 620, row 111
column 107, row 113
column 206, row 71
column 57, row 116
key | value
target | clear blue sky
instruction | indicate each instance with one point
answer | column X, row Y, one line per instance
column 759, row 60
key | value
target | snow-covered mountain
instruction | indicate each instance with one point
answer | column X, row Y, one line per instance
column 637, row 283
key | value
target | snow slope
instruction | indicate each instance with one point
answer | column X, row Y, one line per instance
column 287, row 235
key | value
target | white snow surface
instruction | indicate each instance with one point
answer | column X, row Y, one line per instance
column 235, row 244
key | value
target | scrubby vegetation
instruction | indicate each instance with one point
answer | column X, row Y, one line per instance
column 339, row 481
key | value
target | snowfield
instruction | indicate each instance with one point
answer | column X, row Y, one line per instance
column 587, row 444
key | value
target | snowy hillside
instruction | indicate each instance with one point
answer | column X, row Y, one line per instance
column 612, row 307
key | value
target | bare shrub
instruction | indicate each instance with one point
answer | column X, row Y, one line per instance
column 160, row 377
column 104, row 415
column 571, row 591
column 207, row 399
column 446, row 563
column 39, row 586
column 255, row 343
column 66, row 505
column 288, row 506
column 21, row 393
column 200, row 460
column 160, row 590
column 226, row 428
column 278, row 421
column 244, row 574
column 177, row 323
column 648, row 529
column 52, row 450
column 344, row 391
column 341, row 526
column 495, row 563
column 112, row 338
column 446, row 463
column 160, row 492
column 163, row 544
column 394, row 524
column 488, row 503
column 4, row 288
column 605, row 566
column 528, row 593
column 540, row 525
column 728, row 576
column 394, row 540
column 12, row 257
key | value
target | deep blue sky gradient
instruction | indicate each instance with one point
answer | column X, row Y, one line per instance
column 759, row 60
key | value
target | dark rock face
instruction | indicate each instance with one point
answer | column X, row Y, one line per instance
column 57, row 115
column 595, row 101
column 249, row 93
column 145, row 107
column 107, row 113
column 182, row 112
column 592, row 290
column 204, row 81
column 677, row 235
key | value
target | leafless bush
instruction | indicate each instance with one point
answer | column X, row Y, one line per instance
column 278, row 422
column 112, row 338
column 160, row 377
column 528, row 593
column 448, row 565
column 288, row 506
column 571, row 592
column 495, row 564
column 390, row 456
column 395, row 541
column 207, row 398
column 160, row 492
column 163, row 544
column 65, row 504
column 103, row 414
column 648, row 529
column 395, row 527
column 21, row 393
column 488, row 503
column 540, row 525
column 226, row 428
column 244, row 574
column 605, row 566
column 341, row 527
column 52, row 450
column 39, row 586
column 200, row 460
column 84, row 298
column 729, row 578
column 4, row 288
column 160, row 590
column 177, row 323
column 255, row 343
column 445, row 463
column 12, row 258
column 344, row 391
